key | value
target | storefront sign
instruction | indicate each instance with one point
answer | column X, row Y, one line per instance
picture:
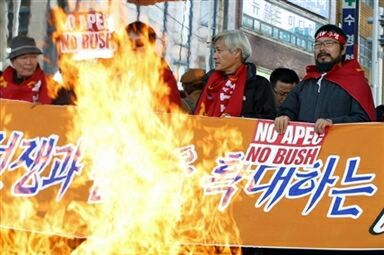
column 280, row 17
column 320, row 7
column 350, row 27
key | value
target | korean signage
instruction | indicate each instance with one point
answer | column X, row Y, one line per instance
column 280, row 17
column 320, row 7
column 350, row 27
column 298, row 189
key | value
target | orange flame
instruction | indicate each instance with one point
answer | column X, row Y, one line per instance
column 149, row 202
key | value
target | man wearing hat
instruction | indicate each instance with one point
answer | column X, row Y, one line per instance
column 193, row 84
column 334, row 90
column 24, row 80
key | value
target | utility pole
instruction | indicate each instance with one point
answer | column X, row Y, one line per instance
column 3, row 32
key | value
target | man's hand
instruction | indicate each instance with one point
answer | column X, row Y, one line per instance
column 281, row 124
column 321, row 124
column 225, row 115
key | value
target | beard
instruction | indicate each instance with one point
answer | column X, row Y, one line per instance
column 324, row 67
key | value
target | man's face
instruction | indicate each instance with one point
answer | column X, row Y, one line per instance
column 25, row 65
column 328, row 51
column 138, row 41
column 225, row 60
column 281, row 91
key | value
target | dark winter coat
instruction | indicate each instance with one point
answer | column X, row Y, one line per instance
column 308, row 102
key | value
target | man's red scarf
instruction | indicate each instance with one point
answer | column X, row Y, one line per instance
column 223, row 94
column 34, row 89
column 351, row 78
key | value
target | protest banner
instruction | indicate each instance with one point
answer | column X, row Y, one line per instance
column 298, row 189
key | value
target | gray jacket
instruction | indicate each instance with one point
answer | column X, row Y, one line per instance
column 308, row 102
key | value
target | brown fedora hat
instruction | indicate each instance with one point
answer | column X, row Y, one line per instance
column 192, row 75
column 21, row 45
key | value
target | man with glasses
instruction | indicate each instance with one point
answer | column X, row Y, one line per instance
column 334, row 90
column 282, row 80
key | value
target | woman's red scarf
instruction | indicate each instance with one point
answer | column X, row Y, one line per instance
column 351, row 78
column 34, row 89
column 223, row 94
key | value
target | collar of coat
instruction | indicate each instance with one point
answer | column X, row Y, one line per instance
column 350, row 77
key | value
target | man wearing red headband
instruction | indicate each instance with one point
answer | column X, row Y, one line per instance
column 334, row 90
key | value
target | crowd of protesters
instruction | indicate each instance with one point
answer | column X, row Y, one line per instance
column 334, row 90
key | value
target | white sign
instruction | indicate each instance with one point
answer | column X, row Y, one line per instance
column 279, row 17
column 86, row 34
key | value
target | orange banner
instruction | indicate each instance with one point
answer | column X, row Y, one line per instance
column 299, row 189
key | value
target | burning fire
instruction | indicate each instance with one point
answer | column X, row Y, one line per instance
column 145, row 201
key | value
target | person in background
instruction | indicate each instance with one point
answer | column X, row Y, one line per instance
column 334, row 90
column 380, row 112
column 283, row 80
column 141, row 34
column 193, row 83
column 233, row 88
column 24, row 79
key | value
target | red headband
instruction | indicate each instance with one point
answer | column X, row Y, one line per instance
column 333, row 35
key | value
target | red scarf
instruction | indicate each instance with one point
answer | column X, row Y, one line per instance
column 351, row 78
column 34, row 89
column 223, row 94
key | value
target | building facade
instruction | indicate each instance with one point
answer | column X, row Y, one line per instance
column 281, row 31
column 365, row 50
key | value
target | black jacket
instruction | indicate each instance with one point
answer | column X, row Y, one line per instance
column 308, row 102
column 258, row 99
column 380, row 112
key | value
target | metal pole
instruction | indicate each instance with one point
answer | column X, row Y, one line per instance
column 3, row 31
column 209, row 39
column 213, row 27
column 190, row 26
column 375, row 53
column 380, row 67
column 16, row 13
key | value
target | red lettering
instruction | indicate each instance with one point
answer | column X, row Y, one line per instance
column 279, row 156
column 294, row 156
column 252, row 154
column 68, row 43
column 258, row 154
column 264, row 154
column 300, row 157
column 85, row 41
column 94, row 40
column 311, row 156
column 102, row 41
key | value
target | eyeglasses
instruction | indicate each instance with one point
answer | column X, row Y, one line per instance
column 281, row 93
column 326, row 44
